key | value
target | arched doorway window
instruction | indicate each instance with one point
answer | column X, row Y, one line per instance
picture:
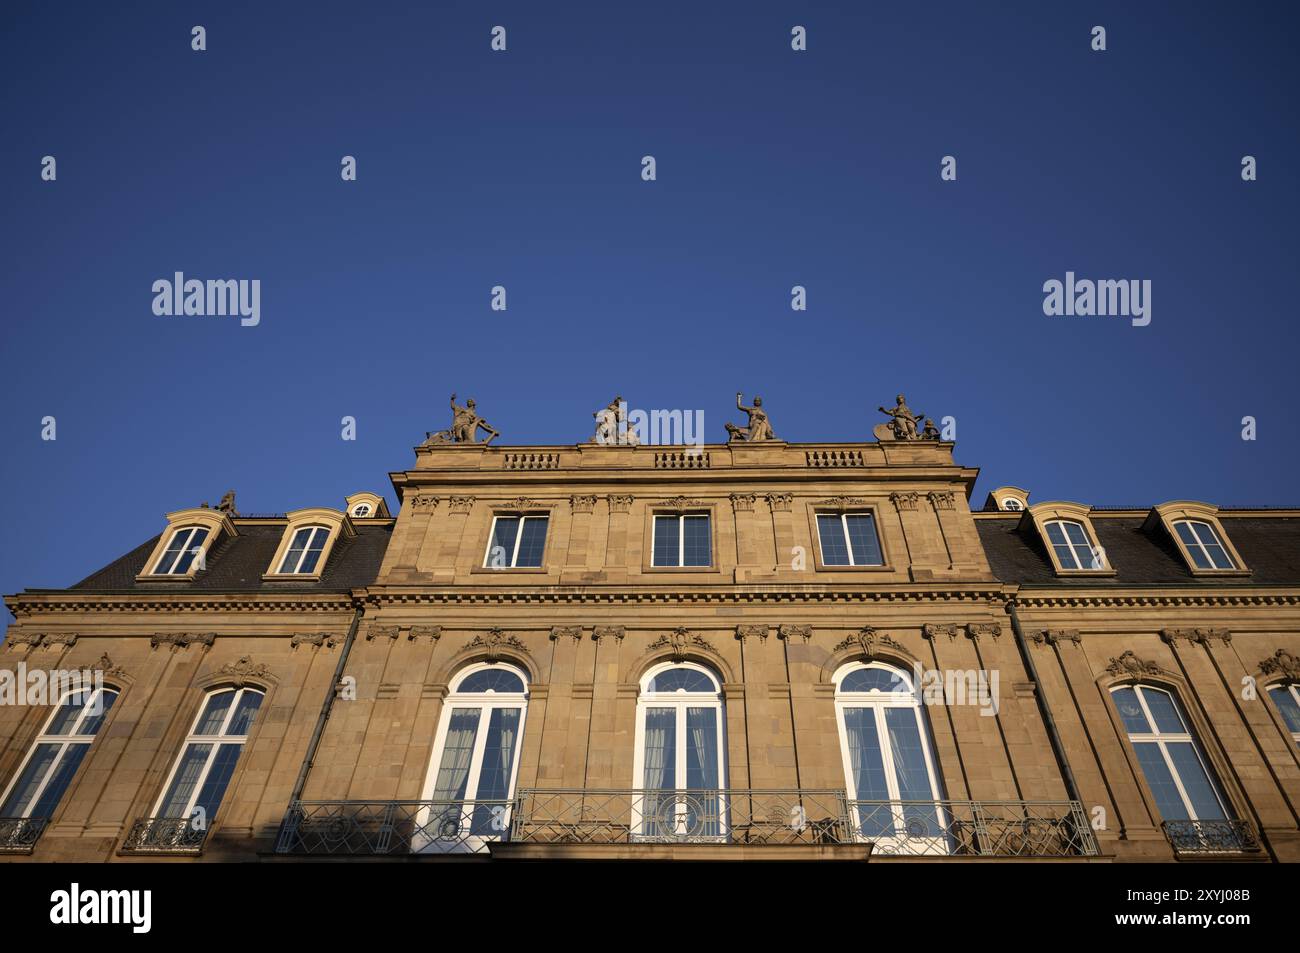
column 888, row 759
column 680, row 748
column 475, row 760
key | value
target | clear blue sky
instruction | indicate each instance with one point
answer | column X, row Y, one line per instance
column 522, row 169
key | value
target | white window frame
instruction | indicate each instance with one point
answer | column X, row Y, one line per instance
column 1160, row 739
column 1291, row 688
column 519, row 535
column 66, row 741
column 1202, row 548
column 215, row 742
column 297, row 569
column 848, row 544
column 1011, row 504
column 361, row 510
column 681, row 538
column 190, row 530
column 878, row 702
column 680, row 701
column 486, row 703
column 1094, row 550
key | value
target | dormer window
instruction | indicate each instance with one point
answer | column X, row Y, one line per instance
column 1203, row 545
column 361, row 511
column 186, row 543
column 1011, row 503
column 1070, row 543
column 305, row 550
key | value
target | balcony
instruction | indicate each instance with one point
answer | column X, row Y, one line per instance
column 1211, row 839
column 631, row 823
column 18, row 835
column 165, row 835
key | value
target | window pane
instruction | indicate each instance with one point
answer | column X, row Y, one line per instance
column 682, row 679
column 1076, row 534
column 1160, row 781
column 911, row 772
column 33, row 774
column 453, row 771
column 174, row 547
column 1199, row 559
column 494, row 776
column 104, row 701
column 696, row 548
column 491, row 680
column 868, row 769
column 862, row 537
column 1197, row 784
column 1164, row 711
column 214, row 713
column 316, row 543
column 185, row 781
column 701, row 748
column 533, row 542
column 60, row 779
column 504, row 534
column 214, row 786
column 1287, row 705
column 666, row 541
column 874, row 680
column 69, row 710
column 296, row 547
column 835, row 551
column 187, row 557
column 660, row 749
column 1055, row 534
column 242, row 721
column 1130, row 711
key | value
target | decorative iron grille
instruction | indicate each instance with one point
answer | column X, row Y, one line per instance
column 18, row 835
column 974, row 828
column 393, row 827
column 1211, row 837
column 165, row 835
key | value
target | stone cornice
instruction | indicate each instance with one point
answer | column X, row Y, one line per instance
column 27, row 605
column 1157, row 599
column 645, row 595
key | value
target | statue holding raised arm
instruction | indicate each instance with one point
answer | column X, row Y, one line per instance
column 903, row 423
column 465, row 425
column 758, row 428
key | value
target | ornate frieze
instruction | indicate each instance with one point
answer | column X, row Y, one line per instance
column 842, row 502
column 680, row 641
column 1129, row 664
column 679, row 503
column 242, row 670
column 491, row 644
column 869, row 642
column 1281, row 662
column 182, row 640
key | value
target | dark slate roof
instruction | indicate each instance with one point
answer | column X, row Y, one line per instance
column 237, row 564
column 1270, row 545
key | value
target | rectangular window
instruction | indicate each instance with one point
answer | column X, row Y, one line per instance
column 849, row 539
column 682, row 540
column 517, row 542
column 185, row 544
column 304, row 550
column 1203, row 545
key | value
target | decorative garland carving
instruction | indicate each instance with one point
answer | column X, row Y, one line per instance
column 1281, row 662
column 1129, row 664
column 680, row 641
column 492, row 643
column 242, row 670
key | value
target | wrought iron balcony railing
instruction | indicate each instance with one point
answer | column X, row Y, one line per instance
column 165, row 835
column 736, row 816
column 716, row 816
column 1211, row 837
column 18, row 835
column 974, row 828
column 393, row 827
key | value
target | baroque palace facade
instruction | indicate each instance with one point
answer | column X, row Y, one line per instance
column 748, row 650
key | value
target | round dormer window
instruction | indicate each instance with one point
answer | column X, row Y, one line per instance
column 361, row 510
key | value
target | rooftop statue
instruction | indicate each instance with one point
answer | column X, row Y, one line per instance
column 607, row 423
column 227, row 504
column 465, row 425
column 758, row 428
column 902, row 426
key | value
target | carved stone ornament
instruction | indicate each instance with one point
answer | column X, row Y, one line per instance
column 780, row 502
column 1056, row 636
column 942, row 500
column 619, row 503
column 1200, row 636
column 566, row 632
column 383, row 632
column 424, row 501
column 465, row 425
column 679, row 503
column 756, row 429
column 582, row 504
column 523, row 503
column 680, row 641
column 603, row 632
column 867, row 641
column 490, row 645
column 432, row 632
column 182, row 640
column 790, row 632
column 743, row 502
column 461, row 504
column 903, row 423
column 932, row 630
column 976, row 630
column 106, row 667
column 29, row 639
column 312, row 638
column 905, row 501
column 746, row 632
column 243, row 670
column 1129, row 664
column 1281, row 662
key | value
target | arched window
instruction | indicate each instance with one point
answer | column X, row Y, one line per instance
column 1072, row 547
column 304, row 550
column 1203, row 545
column 185, row 544
column 680, row 748
column 1169, row 754
column 199, row 779
column 47, row 771
column 1287, row 699
column 1011, row 503
column 885, row 744
column 475, row 760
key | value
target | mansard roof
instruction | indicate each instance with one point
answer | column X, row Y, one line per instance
column 1269, row 545
column 238, row 563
